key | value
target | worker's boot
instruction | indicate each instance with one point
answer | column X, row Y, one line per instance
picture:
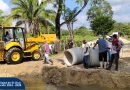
column 109, row 67
column 116, row 63
column 116, row 68
column 101, row 64
column 105, row 65
column 84, row 65
column 51, row 62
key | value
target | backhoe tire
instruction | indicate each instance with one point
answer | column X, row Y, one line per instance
column 14, row 56
column 36, row 55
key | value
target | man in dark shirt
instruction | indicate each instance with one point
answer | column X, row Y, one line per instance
column 103, row 48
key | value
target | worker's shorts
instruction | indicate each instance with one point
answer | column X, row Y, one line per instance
column 103, row 56
column 46, row 56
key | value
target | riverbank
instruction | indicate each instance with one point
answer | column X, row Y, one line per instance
column 80, row 77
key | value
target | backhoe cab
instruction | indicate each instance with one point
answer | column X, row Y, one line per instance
column 14, row 45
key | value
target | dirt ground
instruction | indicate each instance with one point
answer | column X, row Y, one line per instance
column 29, row 67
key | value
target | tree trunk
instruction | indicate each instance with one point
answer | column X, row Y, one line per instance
column 57, row 20
column 72, row 30
column 69, row 31
column 35, row 27
column 30, row 25
column 71, row 35
column 25, row 25
column 47, row 28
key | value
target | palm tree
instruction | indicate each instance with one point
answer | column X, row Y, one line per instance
column 1, row 19
column 68, row 14
column 31, row 14
column 60, row 8
column 4, row 19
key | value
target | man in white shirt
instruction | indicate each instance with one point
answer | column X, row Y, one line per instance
column 85, row 47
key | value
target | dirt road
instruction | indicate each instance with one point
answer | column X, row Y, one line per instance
column 27, row 67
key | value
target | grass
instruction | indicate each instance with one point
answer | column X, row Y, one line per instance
column 128, row 38
column 79, row 38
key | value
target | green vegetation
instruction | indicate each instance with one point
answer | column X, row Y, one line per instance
column 61, row 8
column 69, row 14
column 102, row 25
column 1, row 19
column 32, row 14
column 36, row 17
column 123, row 29
column 80, row 34
column 99, row 8
column 79, row 38
column 100, row 17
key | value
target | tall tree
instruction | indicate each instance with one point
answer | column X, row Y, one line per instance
column 4, row 19
column 60, row 9
column 102, row 25
column 68, row 14
column 58, row 16
column 99, row 8
column 100, row 16
column 31, row 13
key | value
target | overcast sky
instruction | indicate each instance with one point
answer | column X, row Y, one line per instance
column 121, row 9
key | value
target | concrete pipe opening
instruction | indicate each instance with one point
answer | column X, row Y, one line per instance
column 73, row 56
column 69, row 56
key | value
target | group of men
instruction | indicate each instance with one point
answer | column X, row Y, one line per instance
column 110, row 47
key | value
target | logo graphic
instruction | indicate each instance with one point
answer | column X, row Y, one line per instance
column 11, row 83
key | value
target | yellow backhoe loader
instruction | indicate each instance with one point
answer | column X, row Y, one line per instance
column 14, row 45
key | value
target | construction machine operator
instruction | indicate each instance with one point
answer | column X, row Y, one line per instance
column 7, row 37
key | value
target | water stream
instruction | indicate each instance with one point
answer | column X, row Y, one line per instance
column 38, row 84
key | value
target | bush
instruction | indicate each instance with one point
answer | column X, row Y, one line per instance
column 80, row 34
column 79, row 38
column 82, row 31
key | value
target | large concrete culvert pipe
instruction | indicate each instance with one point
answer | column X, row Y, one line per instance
column 93, row 57
column 73, row 56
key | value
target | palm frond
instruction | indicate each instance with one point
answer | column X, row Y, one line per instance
column 18, row 23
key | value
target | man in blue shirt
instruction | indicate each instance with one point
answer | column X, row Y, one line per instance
column 103, row 48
